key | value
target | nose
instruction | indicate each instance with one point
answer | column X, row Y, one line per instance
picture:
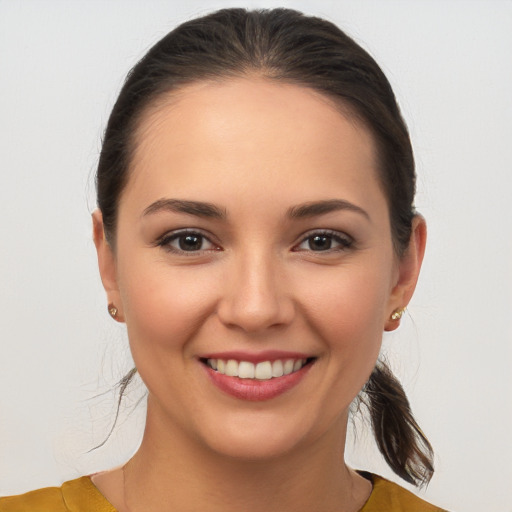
column 256, row 296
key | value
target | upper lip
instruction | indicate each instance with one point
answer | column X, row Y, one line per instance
column 256, row 357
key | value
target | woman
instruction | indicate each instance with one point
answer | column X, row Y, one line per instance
column 256, row 233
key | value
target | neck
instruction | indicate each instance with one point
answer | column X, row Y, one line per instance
column 172, row 472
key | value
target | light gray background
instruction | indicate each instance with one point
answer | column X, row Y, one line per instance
column 62, row 64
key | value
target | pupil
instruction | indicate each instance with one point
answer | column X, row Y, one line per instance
column 320, row 243
column 190, row 243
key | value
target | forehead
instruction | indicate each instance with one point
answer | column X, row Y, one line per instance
column 254, row 133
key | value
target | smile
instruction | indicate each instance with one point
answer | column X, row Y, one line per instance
column 256, row 377
column 264, row 370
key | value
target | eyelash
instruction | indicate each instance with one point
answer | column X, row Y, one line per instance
column 167, row 239
column 344, row 242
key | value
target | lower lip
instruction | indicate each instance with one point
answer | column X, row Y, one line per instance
column 256, row 390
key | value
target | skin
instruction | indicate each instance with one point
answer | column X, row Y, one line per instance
column 255, row 149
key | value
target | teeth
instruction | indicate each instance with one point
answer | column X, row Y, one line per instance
column 232, row 368
column 288, row 366
column 246, row 370
column 277, row 368
column 264, row 370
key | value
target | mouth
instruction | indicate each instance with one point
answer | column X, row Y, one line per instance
column 262, row 371
column 256, row 377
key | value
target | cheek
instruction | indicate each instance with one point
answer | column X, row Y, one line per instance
column 347, row 311
column 165, row 306
column 351, row 299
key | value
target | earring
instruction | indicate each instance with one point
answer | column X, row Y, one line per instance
column 397, row 314
column 112, row 311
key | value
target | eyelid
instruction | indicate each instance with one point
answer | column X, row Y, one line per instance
column 345, row 240
column 164, row 241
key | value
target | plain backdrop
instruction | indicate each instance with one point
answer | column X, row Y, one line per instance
column 62, row 64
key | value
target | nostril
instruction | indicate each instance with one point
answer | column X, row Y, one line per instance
column 251, row 315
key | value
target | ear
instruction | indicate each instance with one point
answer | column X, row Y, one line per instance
column 106, row 264
column 409, row 267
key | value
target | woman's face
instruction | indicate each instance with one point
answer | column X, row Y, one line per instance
column 253, row 231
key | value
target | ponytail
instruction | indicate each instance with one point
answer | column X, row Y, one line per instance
column 399, row 438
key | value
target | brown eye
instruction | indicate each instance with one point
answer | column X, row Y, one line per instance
column 320, row 243
column 324, row 242
column 188, row 241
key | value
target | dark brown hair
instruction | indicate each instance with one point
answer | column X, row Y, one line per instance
column 286, row 46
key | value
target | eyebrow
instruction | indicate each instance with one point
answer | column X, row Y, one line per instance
column 209, row 210
column 197, row 208
column 313, row 209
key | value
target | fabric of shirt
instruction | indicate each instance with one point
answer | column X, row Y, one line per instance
column 81, row 495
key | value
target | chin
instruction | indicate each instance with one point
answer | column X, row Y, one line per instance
column 262, row 447
column 263, row 437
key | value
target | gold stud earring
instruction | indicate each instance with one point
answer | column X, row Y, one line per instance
column 112, row 311
column 397, row 314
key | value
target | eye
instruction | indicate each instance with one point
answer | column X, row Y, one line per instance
column 325, row 241
column 186, row 241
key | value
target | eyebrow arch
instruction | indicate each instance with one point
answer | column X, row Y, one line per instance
column 322, row 207
column 197, row 208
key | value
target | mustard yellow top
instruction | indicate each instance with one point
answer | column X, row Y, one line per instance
column 81, row 495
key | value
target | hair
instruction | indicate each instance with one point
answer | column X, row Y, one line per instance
column 286, row 46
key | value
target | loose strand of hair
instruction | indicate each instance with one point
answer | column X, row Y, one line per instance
column 122, row 385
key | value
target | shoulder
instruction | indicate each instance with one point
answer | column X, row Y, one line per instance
column 35, row 501
column 387, row 495
column 78, row 495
